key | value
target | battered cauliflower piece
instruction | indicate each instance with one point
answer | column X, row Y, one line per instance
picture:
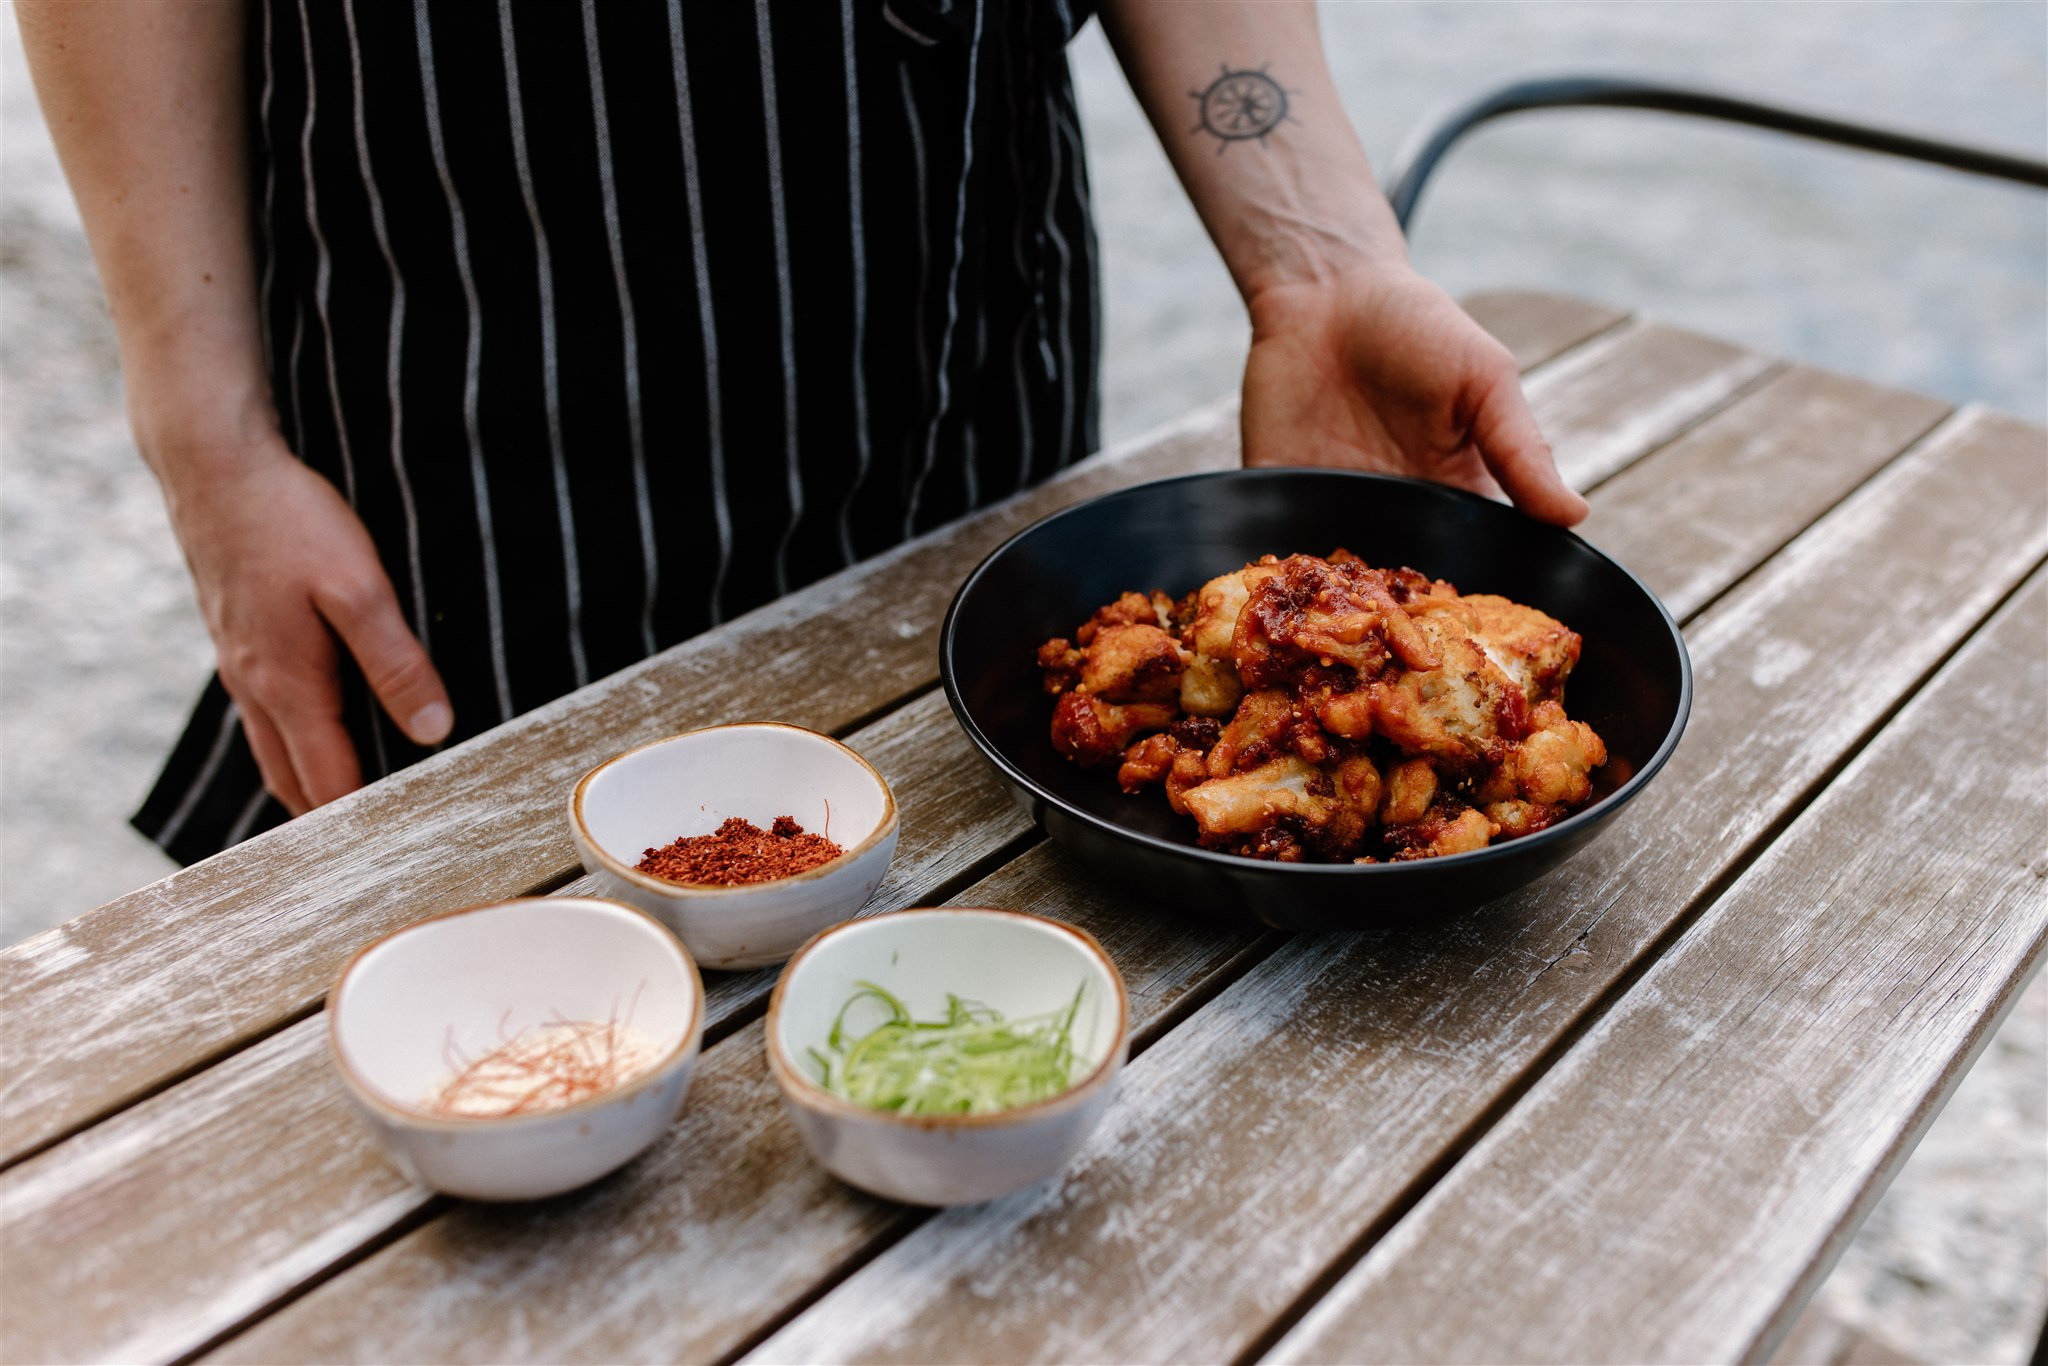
column 1132, row 663
column 1164, row 759
column 1209, row 686
column 1059, row 665
column 1130, row 609
column 1447, row 828
column 1357, row 782
column 1464, row 713
column 1408, row 791
column 1258, row 731
column 1348, row 715
column 1537, row 651
column 1093, row 732
column 1219, row 603
column 1519, row 818
column 1148, row 761
column 1315, row 613
column 1281, row 809
column 1555, row 763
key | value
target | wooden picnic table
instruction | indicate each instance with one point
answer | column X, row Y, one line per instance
column 1632, row 1113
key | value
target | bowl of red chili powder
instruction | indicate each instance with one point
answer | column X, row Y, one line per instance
column 745, row 840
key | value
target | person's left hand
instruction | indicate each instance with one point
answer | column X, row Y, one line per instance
column 1380, row 370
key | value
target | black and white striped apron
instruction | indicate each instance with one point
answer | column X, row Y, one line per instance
column 614, row 321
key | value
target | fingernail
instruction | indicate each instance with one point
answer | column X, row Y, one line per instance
column 430, row 724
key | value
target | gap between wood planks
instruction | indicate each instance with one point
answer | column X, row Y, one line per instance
column 1960, row 629
column 1539, row 328
column 879, row 1241
column 552, row 882
column 1142, row 1039
column 1441, row 1166
column 434, row 1206
column 1227, row 974
column 1547, row 356
column 1215, row 983
column 1952, row 716
column 1456, row 1151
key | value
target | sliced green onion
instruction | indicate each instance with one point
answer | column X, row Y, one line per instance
column 973, row 1062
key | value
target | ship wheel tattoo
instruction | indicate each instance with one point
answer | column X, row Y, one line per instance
column 1239, row 105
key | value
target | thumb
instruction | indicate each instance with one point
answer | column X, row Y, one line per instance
column 366, row 617
column 1514, row 450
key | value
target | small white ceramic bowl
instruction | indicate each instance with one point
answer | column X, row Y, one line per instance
column 689, row 785
column 1019, row 965
column 460, row 984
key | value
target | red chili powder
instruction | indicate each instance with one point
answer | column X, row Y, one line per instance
column 740, row 852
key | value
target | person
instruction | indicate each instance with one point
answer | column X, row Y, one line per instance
column 481, row 350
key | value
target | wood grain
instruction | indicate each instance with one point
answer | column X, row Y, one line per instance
column 1722, row 497
column 110, row 1005
column 453, row 1266
column 1614, row 400
column 1711, row 1142
column 294, row 1182
column 712, row 1232
column 934, row 775
column 118, row 1002
column 1538, row 327
column 1259, row 1140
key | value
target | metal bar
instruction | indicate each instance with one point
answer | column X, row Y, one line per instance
column 1419, row 159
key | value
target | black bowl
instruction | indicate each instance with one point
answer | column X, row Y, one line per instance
column 1633, row 683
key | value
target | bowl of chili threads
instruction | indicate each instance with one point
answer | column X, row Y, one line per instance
column 519, row 1049
column 744, row 839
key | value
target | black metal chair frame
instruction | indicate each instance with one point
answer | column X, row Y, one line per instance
column 1412, row 169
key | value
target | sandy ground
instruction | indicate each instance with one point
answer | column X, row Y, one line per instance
column 1912, row 276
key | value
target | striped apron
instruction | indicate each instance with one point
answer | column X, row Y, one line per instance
column 615, row 321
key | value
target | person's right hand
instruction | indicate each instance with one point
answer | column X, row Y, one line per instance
column 285, row 575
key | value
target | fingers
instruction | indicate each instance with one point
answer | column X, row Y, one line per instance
column 1514, row 450
column 365, row 614
column 273, row 761
column 323, row 758
column 291, row 712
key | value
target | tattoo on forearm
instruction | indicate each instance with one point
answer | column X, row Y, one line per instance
column 1240, row 104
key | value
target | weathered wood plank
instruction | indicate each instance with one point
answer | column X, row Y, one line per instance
column 1705, row 1150
column 233, row 947
column 293, row 1183
column 106, row 1007
column 462, row 1312
column 1539, row 327
column 112, row 1247
column 1607, row 403
column 949, row 777
column 1723, row 496
column 1315, row 1095
column 713, row 1231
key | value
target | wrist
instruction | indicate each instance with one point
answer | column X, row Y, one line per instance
column 1283, row 297
column 1310, row 212
column 1278, row 251
column 198, row 411
column 199, row 441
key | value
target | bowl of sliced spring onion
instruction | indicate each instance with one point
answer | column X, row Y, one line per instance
column 947, row 1056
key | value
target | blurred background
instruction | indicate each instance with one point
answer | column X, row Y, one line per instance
column 1907, row 275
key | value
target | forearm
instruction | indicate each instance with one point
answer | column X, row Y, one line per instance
column 1271, row 162
column 144, row 102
